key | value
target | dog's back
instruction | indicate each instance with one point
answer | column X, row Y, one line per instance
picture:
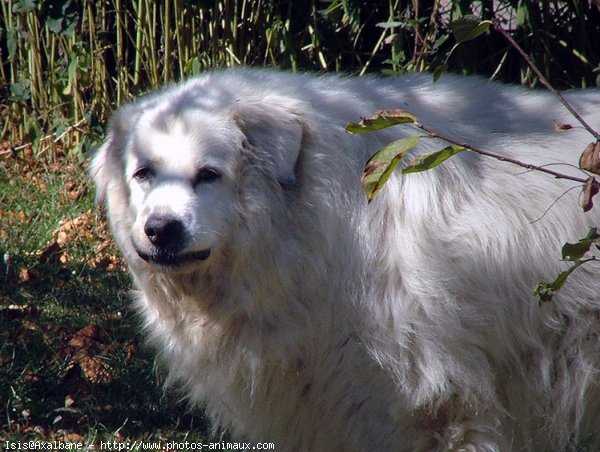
column 296, row 313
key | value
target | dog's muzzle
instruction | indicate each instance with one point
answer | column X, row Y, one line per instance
column 161, row 257
column 167, row 235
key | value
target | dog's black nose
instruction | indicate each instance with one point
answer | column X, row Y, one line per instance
column 164, row 231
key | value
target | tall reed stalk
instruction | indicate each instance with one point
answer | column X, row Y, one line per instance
column 70, row 62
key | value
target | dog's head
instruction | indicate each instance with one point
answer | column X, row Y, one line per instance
column 175, row 172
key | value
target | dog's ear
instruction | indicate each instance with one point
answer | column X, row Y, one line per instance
column 106, row 158
column 97, row 171
column 275, row 129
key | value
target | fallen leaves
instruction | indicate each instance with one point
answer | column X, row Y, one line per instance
column 71, row 235
column 13, row 311
column 69, row 358
column 86, row 227
column 34, row 192
column 85, row 351
column 11, row 219
column 27, row 275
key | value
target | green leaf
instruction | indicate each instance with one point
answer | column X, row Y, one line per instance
column 61, row 16
column 381, row 120
column 196, row 66
column 20, row 91
column 430, row 160
column 438, row 43
column 381, row 165
column 438, row 71
column 72, row 73
column 469, row 27
column 522, row 14
column 12, row 41
column 23, row 6
column 575, row 251
column 545, row 291
column 390, row 24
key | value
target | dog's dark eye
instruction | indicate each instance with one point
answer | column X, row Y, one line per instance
column 143, row 174
column 206, row 176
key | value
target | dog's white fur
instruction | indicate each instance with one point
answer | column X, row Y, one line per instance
column 322, row 323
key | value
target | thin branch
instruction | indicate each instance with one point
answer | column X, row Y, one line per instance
column 566, row 192
column 68, row 129
column 529, row 166
column 568, row 165
column 52, row 136
column 508, row 37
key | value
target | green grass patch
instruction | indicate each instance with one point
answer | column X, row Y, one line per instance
column 72, row 363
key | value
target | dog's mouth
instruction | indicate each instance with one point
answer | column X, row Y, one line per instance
column 170, row 259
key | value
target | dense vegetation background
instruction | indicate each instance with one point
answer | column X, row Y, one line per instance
column 67, row 61
column 70, row 364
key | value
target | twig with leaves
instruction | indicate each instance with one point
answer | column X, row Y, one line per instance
column 543, row 81
column 393, row 153
column 55, row 137
column 381, row 165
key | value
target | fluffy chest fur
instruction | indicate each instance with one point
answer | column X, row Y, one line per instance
column 295, row 312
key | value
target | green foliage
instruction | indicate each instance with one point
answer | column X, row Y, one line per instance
column 430, row 160
column 465, row 28
column 64, row 61
column 572, row 252
column 469, row 27
column 575, row 251
column 381, row 120
column 381, row 165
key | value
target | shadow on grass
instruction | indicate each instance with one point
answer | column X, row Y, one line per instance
column 72, row 358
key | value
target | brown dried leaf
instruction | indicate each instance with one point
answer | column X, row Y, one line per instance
column 65, row 258
column 72, row 438
column 85, row 338
column 590, row 189
column 95, row 369
column 76, row 194
column 130, row 350
column 102, row 246
column 18, row 310
column 69, row 400
column 50, row 252
column 560, row 127
column 590, row 158
column 26, row 275
column 70, row 185
column 119, row 437
column 31, row 377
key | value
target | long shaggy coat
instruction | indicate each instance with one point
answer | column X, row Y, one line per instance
column 295, row 312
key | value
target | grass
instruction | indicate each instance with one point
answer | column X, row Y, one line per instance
column 72, row 364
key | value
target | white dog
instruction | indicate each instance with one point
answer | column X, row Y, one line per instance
column 295, row 312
